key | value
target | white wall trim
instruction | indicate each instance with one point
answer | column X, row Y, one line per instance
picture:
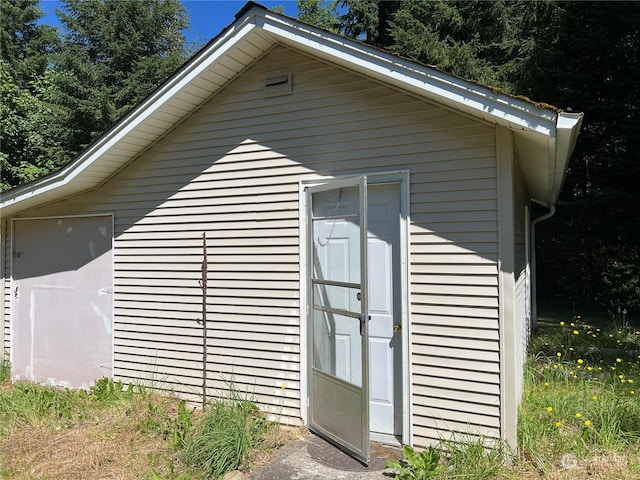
column 304, row 303
column 507, row 294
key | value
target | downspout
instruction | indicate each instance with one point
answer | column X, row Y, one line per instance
column 567, row 128
column 534, row 270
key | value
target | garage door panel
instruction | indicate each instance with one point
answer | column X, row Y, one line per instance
column 63, row 300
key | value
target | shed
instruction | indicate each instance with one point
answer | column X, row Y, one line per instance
column 367, row 224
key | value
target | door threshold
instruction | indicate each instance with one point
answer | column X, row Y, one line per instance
column 386, row 439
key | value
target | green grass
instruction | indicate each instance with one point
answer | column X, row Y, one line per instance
column 112, row 423
column 582, row 393
column 27, row 403
column 5, row 370
column 580, row 412
column 226, row 436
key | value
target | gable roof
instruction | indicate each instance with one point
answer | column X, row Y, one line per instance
column 544, row 138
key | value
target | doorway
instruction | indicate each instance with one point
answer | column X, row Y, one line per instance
column 356, row 315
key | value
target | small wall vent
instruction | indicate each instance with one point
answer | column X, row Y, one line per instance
column 278, row 85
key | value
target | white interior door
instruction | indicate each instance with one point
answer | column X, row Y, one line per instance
column 385, row 340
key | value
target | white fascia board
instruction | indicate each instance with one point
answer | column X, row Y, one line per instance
column 142, row 112
column 568, row 127
column 431, row 83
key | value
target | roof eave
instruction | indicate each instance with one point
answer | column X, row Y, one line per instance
column 427, row 82
column 38, row 192
column 567, row 128
column 521, row 116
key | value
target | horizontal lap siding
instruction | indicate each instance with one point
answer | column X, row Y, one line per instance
column 455, row 297
column 232, row 169
column 522, row 281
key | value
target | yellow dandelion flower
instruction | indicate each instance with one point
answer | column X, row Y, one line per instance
column 562, row 324
column 632, row 392
column 571, row 349
column 555, row 365
column 594, row 398
column 549, row 409
column 578, row 415
column 630, row 380
column 283, row 387
column 580, row 361
column 587, row 423
column 622, row 380
column 576, row 332
column 573, row 324
column 559, row 354
column 621, row 376
column 546, row 384
column 589, row 368
column 618, row 360
column 575, row 377
column 558, row 424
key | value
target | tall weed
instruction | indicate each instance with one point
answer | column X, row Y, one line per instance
column 5, row 370
column 472, row 458
column 226, row 436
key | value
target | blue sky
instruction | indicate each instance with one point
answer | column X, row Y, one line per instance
column 208, row 17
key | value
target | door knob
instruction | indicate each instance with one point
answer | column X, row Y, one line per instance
column 397, row 328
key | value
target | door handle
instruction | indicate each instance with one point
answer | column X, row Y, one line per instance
column 363, row 322
column 397, row 328
column 15, row 290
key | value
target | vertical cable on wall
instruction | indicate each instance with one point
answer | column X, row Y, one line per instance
column 203, row 285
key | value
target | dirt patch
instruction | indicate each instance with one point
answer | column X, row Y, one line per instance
column 275, row 439
column 109, row 446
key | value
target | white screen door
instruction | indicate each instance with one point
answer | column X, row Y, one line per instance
column 339, row 403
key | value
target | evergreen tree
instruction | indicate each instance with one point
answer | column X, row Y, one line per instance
column 25, row 45
column 580, row 56
column 319, row 13
column 115, row 52
column 31, row 140
column 591, row 248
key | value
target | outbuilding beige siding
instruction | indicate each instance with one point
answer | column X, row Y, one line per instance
column 232, row 170
column 521, row 272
